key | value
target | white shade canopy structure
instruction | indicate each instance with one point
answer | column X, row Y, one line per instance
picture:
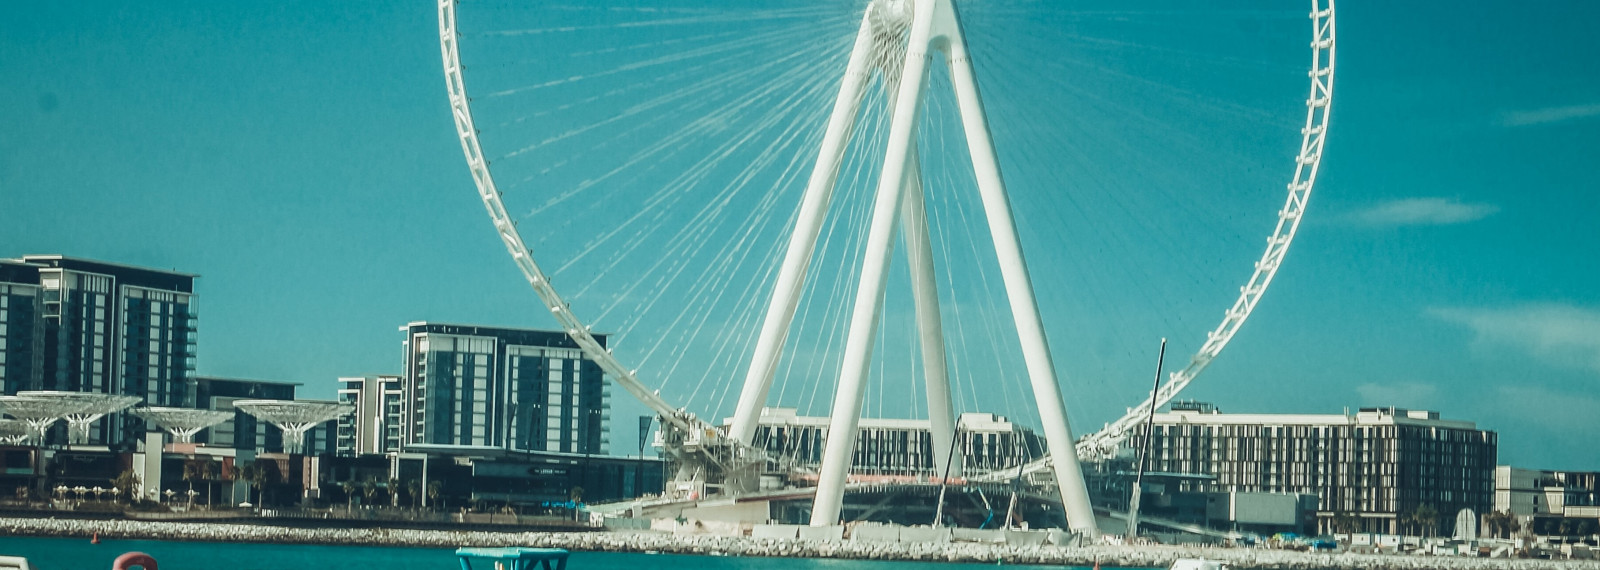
column 13, row 432
column 38, row 413
column 294, row 417
column 182, row 423
column 84, row 408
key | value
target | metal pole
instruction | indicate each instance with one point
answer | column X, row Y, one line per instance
column 938, row 511
column 638, row 470
column 1144, row 450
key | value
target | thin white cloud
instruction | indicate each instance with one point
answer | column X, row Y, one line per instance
column 1401, row 394
column 1549, row 115
column 1564, row 411
column 1561, row 334
column 1425, row 212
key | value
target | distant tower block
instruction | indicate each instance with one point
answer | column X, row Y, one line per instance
column 294, row 417
column 86, row 407
column 39, row 414
column 13, row 432
column 183, row 423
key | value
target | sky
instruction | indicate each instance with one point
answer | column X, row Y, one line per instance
column 301, row 158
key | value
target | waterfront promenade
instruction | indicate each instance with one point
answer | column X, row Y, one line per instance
column 1107, row 556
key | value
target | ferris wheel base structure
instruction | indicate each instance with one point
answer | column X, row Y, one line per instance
column 930, row 27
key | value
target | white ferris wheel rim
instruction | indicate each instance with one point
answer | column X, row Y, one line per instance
column 1098, row 444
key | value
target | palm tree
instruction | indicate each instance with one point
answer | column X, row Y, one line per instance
column 1501, row 524
column 369, row 489
column 349, row 488
column 209, row 470
column 414, row 488
column 435, row 488
column 256, row 474
column 1345, row 522
column 394, row 492
column 1426, row 519
column 1569, row 526
column 128, row 481
column 191, row 471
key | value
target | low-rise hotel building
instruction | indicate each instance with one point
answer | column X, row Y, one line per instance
column 1371, row 469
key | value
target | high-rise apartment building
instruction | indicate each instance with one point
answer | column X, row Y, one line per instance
column 374, row 428
column 502, row 388
column 21, row 327
column 106, row 328
column 1379, row 465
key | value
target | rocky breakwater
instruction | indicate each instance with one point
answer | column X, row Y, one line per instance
column 1107, row 556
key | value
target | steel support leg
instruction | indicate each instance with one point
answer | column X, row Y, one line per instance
column 802, row 243
column 841, row 443
column 930, row 324
column 1019, row 291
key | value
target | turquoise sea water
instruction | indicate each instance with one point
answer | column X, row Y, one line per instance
column 76, row 554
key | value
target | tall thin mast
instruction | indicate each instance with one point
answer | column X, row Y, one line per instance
column 1144, row 450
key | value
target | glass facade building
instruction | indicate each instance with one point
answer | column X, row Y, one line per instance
column 100, row 327
column 21, row 328
column 374, row 428
column 514, row 389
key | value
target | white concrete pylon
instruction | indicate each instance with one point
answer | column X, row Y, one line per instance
column 867, row 308
column 934, row 25
column 930, row 325
column 802, row 243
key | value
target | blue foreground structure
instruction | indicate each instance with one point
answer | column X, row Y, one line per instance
column 515, row 558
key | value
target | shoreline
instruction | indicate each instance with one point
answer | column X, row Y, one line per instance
column 649, row 542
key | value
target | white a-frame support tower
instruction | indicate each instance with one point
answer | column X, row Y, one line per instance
column 896, row 39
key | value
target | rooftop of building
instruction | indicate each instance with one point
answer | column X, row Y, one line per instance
column 536, row 337
column 18, row 271
column 208, row 378
column 129, row 274
column 364, row 378
column 1203, row 413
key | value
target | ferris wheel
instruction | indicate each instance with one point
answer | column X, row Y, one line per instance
column 652, row 158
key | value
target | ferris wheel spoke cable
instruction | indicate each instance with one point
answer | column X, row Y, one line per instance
column 738, row 45
column 1142, row 278
column 730, row 18
column 666, row 147
column 688, row 93
column 713, row 207
column 989, row 327
column 681, row 241
column 747, row 296
column 694, row 95
column 717, row 72
column 959, row 372
column 851, row 226
column 695, row 176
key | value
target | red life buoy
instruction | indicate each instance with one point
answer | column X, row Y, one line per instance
column 129, row 560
